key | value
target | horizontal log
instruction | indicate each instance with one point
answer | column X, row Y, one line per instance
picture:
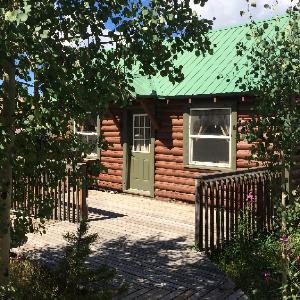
column 111, row 153
column 243, row 121
column 244, row 146
column 167, row 151
column 246, row 164
column 172, row 166
column 113, row 166
column 177, row 173
column 174, row 187
column 110, row 185
column 169, row 143
column 244, row 114
column 110, row 134
column 112, row 160
column 113, row 140
column 110, row 128
column 115, row 172
column 169, row 158
column 243, row 154
column 116, row 147
column 175, row 180
column 174, row 196
column 108, row 122
column 110, row 178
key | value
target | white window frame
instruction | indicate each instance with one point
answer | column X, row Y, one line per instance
column 86, row 133
column 133, row 127
column 229, row 137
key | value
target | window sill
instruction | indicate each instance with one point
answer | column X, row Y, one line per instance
column 213, row 168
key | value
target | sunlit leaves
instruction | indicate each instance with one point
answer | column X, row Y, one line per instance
column 273, row 75
column 77, row 63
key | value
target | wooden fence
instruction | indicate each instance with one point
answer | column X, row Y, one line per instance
column 59, row 199
column 223, row 199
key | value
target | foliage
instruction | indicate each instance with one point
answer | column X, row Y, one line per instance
column 74, row 276
column 71, row 279
column 74, row 57
column 253, row 264
column 272, row 75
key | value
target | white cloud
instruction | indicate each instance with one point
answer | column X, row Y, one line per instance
column 227, row 12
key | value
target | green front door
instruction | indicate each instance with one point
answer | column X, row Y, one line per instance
column 141, row 155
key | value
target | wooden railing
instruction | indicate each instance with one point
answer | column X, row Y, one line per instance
column 222, row 200
column 63, row 199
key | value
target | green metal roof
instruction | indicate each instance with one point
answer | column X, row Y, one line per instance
column 201, row 73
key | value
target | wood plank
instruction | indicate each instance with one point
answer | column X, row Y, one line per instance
column 185, row 295
column 136, row 294
column 156, row 293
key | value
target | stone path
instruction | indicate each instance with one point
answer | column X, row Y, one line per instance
column 149, row 242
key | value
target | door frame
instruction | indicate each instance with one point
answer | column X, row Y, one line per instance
column 127, row 129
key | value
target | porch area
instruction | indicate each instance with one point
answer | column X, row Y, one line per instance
column 149, row 242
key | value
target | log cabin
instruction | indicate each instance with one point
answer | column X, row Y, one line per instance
column 174, row 133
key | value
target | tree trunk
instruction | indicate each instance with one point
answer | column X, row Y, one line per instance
column 285, row 195
column 7, row 125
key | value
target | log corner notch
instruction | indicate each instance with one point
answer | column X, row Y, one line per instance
column 150, row 113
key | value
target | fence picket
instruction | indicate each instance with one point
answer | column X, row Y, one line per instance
column 221, row 202
column 27, row 192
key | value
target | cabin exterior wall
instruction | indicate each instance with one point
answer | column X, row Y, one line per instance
column 173, row 179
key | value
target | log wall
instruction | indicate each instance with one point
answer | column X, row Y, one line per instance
column 112, row 159
column 173, row 181
column 245, row 111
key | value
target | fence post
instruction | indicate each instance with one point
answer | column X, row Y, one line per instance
column 198, row 220
column 83, row 191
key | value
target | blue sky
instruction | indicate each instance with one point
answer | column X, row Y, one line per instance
column 227, row 12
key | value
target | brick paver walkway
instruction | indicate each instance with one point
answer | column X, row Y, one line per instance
column 149, row 242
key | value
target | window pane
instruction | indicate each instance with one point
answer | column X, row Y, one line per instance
column 90, row 139
column 147, row 133
column 138, row 145
column 210, row 150
column 147, row 145
column 142, row 121
column 88, row 125
column 210, row 122
column 142, row 133
column 136, row 121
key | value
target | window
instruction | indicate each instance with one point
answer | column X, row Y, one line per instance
column 210, row 137
column 88, row 132
column 141, row 133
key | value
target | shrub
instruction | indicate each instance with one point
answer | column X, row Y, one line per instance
column 70, row 279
